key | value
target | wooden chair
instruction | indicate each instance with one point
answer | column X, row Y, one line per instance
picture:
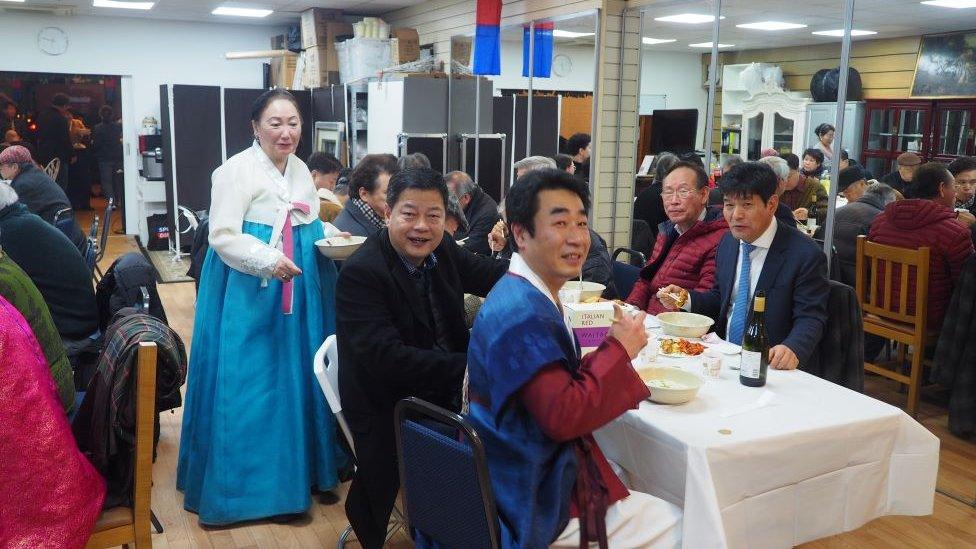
column 124, row 525
column 892, row 320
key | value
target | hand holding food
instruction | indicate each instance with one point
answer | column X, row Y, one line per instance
column 672, row 297
column 496, row 238
column 801, row 214
column 628, row 330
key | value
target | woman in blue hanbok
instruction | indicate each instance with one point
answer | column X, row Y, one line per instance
column 257, row 433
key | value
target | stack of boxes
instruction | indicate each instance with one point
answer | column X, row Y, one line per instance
column 404, row 46
column 321, row 30
column 282, row 68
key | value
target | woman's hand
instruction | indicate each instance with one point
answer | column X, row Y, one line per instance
column 285, row 270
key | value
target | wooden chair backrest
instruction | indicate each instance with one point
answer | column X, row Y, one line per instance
column 878, row 268
column 145, row 432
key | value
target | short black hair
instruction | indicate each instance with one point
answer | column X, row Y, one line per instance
column 323, row 162
column 962, row 164
column 823, row 129
column 701, row 178
column 364, row 175
column 816, row 154
column 522, row 200
column 563, row 161
column 792, row 160
column 60, row 100
column 692, row 156
column 844, row 155
column 261, row 103
column 576, row 142
column 927, row 180
column 749, row 178
column 106, row 113
column 423, row 179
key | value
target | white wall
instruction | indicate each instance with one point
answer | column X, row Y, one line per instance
column 677, row 75
column 579, row 78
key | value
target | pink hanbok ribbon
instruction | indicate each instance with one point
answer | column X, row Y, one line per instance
column 288, row 243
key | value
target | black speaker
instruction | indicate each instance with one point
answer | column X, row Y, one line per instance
column 824, row 84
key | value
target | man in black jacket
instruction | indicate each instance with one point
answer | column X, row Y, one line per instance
column 401, row 332
column 54, row 136
column 480, row 210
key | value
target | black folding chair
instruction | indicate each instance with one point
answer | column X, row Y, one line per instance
column 103, row 240
column 625, row 275
column 442, row 459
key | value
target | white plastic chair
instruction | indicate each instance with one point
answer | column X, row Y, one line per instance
column 326, row 370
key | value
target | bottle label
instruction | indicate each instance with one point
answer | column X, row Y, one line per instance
column 751, row 364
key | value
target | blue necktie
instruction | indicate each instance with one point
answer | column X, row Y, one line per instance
column 741, row 308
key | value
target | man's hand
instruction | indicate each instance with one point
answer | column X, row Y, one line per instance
column 801, row 214
column 673, row 297
column 782, row 357
column 628, row 330
column 496, row 238
column 966, row 217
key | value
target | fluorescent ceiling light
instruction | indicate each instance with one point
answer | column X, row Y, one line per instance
column 688, row 18
column 652, row 41
column 840, row 32
column 771, row 26
column 242, row 12
column 570, row 34
column 958, row 4
column 123, row 5
column 709, row 45
column 21, row 1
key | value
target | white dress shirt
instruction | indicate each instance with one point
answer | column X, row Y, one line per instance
column 757, row 259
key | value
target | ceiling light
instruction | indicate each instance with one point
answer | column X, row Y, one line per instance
column 21, row 1
column 709, row 45
column 688, row 18
column 242, row 12
column 958, row 4
column 771, row 26
column 652, row 41
column 840, row 32
column 570, row 34
column 123, row 5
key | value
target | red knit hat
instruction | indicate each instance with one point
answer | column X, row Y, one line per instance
column 15, row 154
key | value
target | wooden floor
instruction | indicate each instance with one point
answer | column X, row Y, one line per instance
column 953, row 525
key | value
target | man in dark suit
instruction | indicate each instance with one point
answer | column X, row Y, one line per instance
column 401, row 332
column 54, row 136
column 760, row 253
column 480, row 209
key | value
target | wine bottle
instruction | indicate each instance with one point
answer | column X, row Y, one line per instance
column 755, row 346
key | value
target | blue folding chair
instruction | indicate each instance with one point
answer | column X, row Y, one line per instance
column 442, row 459
column 625, row 275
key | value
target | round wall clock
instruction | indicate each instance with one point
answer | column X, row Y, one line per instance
column 562, row 65
column 52, row 40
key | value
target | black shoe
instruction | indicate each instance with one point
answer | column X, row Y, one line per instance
column 288, row 518
column 328, row 498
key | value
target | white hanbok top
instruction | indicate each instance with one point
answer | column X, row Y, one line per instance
column 248, row 187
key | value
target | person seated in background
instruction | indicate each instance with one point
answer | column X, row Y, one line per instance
column 454, row 220
column 578, row 147
column 413, row 160
column 963, row 170
column 565, row 163
column 768, row 151
column 648, row 206
column 684, row 253
column 761, row 254
column 803, row 193
column 782, row 170
column 400, row 332
column 17, row 288
column 36, row 190
column 325, row 172
column 53, row 264
column 530, row 163
column 480, row 210
column 536, row 406
column 729, row 160
column 854, row 220
column 11, row 137
column 852, row 183
column 926, row 218
column 342, row 186
column 907, row 163
column 365, row 213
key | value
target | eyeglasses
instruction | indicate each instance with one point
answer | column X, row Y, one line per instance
column 682, row 193
column 966, row 182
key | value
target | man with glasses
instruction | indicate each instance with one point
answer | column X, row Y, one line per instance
column 964, row 171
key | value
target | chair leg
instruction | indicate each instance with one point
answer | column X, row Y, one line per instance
column 915, row 387
column 155, row 522
column 344, row 537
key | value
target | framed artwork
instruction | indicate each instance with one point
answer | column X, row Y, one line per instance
column 946, row 66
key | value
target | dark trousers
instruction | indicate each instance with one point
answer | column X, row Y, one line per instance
column 106, row 176
column 374, row 488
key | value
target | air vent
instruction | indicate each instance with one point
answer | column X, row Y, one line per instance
column 34, row 10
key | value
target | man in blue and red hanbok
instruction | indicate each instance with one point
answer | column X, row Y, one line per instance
column 536, row 403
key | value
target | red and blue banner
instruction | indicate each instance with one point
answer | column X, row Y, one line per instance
column 542, row 45
column 487, row 38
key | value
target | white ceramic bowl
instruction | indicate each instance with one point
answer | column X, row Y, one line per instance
column 339, row 248
column 587, row 289
column 683, row 324
column 670, row 385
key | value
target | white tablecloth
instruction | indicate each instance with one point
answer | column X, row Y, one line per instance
column 817, row 461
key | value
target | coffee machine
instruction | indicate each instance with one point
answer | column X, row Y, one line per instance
column 151, row 153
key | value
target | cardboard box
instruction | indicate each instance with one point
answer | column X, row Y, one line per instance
column 319, row 27
column 321, row 67
column 590, row 323
column 279, row 42
column 461, row 51
column 283, row 71
column 404, row 46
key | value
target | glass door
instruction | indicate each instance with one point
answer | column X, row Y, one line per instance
column 954, row 130
column 911, row 130
column 881, row 128
column 754, row 146
column 782, row 134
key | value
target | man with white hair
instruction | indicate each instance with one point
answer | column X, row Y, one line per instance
column 531, row 163
column 782, row 171
column 480, row 210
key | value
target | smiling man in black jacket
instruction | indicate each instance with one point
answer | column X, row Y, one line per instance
column 401, row 332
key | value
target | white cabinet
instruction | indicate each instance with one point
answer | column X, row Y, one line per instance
column 818, row 113
column 773, row 119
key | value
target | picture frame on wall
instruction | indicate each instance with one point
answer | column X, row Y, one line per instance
column 946, row 66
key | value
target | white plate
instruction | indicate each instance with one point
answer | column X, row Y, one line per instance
column 651, row 322
column 661, row 352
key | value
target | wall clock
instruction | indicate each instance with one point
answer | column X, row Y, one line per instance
column 562, row 65
column 52, row 40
